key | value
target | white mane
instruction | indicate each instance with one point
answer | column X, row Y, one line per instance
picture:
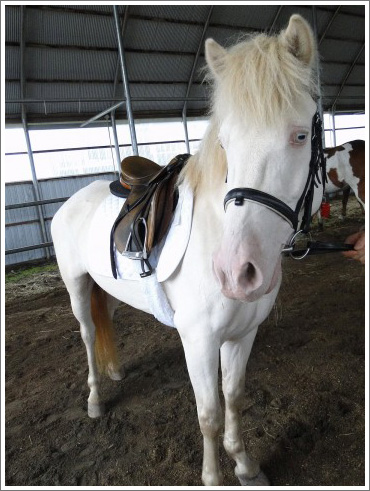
column 259, row 79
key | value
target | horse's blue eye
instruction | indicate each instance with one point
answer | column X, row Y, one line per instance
column 299, row 137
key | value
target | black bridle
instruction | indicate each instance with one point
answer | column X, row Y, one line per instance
column 316, row 176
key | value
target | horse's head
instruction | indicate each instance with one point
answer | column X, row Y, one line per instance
column 263, row 107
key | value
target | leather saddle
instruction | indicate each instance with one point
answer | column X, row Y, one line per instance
column 147, row 212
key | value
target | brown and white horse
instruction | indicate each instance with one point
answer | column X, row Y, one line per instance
column 345, row 167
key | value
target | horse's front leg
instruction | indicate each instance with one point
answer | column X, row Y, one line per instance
column 234, row 357
column 202, row 358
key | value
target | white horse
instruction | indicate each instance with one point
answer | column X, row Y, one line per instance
column 259, row 141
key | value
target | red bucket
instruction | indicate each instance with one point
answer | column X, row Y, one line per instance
column 325, row 210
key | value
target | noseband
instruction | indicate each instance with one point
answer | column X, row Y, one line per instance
column 316, row 175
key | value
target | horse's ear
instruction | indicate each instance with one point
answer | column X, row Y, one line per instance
column 215, row 56
column 299, row 39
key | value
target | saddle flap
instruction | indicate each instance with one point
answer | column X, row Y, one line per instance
column 130, row 231
column 161, row 210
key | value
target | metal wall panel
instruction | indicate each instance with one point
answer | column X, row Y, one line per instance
column 19, row 193
column 27, row 234
column 20, row 236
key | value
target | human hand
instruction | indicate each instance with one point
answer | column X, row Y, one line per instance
column 358, row 241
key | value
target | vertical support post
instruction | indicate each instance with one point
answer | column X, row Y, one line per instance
column 319, row 102
column 115, row 137
column 334, row 138
column 186, row 134
column 184, row 121
column 125, row 81
column 27, row 137
column 35, row 183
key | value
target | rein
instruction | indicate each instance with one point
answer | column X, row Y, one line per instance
column 316, row 176
column 313, row 247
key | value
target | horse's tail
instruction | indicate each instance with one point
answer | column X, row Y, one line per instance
column 105, row 345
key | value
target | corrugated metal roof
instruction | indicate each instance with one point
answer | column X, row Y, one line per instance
column 73, row 30
column 179, row 13
column 71, row 55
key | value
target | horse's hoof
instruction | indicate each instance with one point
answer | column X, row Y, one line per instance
column 259, row 480
column 95, row 410
column 116, row 375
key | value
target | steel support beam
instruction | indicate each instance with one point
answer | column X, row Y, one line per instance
column 125, row 81
column 123, row 29
column 190, row 82
column 334, row 138
column 347, row 75
column 329, row 24
column 319, row 102
column 115, row 137
column 277, row 15
column 105, row 99
column 27, row 136
column 100, row 115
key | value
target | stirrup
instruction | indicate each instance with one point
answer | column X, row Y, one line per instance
column 141, row 255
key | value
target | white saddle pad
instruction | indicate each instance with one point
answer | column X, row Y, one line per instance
column 164, row 258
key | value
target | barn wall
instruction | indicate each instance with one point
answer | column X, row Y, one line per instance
column 23, row 225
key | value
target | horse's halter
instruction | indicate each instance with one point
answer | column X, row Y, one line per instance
column 317, row 166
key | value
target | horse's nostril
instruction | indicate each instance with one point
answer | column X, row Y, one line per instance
column 250, row 277
column 250, row 273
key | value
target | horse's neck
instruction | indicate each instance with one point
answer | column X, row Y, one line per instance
column 208, row 217
column 206, row 175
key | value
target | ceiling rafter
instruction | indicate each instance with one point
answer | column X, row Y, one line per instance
column 55, row 74
column 196, row 58
column 274, row 22
column 348, row 75
column 100, row 13
column 334, row 16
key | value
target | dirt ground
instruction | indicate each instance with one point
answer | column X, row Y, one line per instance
column 303, row 413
